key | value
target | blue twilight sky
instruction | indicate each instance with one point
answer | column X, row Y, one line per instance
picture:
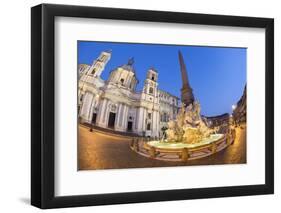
column 216, row 74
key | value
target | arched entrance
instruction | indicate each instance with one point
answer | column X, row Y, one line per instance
column 112, row 116
column 130, row 126
column 94, row 116
column 111, row 120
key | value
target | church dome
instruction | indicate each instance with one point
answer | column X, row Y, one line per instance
column 129, row 66
column 124, row 76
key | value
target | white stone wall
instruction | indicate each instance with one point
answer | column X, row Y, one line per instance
column 101, row 121
column 119, row 97
column 169, row 106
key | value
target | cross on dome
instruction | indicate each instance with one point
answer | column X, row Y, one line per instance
column 131, row 61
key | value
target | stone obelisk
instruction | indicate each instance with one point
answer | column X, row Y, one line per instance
column 186, row 90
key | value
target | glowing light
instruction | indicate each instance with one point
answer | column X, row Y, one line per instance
column 233, row 107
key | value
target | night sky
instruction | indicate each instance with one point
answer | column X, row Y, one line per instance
column 216, row 74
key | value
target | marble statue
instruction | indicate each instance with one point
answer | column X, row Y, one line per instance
column 189, row 127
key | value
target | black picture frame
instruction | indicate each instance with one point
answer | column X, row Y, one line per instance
column 43, row 102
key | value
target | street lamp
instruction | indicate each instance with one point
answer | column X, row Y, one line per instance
column 233, row 118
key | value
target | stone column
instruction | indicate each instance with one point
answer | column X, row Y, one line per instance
column 86, row 107
column 117, row 115
column 140, row 120
column 101, row 113
column 120, row 115
column 136, row 120
column 106, row 113
column 144, row 117
column 125, row 117
column 156, row 123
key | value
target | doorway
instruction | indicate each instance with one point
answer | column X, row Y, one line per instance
column 130, row 126
column 111, row 120
column 94, row 118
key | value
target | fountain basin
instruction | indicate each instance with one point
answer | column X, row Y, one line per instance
column 177, row 151
column 179, row 145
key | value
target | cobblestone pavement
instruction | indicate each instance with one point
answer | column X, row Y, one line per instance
column 97, row 150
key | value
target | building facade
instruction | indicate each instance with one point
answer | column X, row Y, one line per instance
column 169, row 106
column 116, row 104
column 240, row 112
column 219, row 120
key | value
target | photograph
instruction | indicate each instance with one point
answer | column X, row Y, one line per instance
column 172, row 105
column 142, row 105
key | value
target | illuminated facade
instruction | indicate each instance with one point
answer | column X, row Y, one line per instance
column 240, row 111
column 114, row 103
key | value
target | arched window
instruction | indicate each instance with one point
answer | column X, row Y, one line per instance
column 150, row 90
column 113, row 108
column 152, row 77
column 93, row 71
column 148, row 126
column 165, row 117
column 122, row 81
column 102, row 58
column 81, row 97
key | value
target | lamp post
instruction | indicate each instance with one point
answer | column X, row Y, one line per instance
column 233, row 107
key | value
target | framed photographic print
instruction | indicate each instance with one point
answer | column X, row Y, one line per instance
column 139, row 106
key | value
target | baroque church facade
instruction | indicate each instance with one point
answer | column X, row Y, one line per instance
column 116, row 104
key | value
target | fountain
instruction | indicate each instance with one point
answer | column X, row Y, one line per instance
column 188, row 127
column 188, row 136
column 188, row 130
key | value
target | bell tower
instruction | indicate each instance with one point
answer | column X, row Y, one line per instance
column 149, row 110
column 150, row 84
column 99, row 64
